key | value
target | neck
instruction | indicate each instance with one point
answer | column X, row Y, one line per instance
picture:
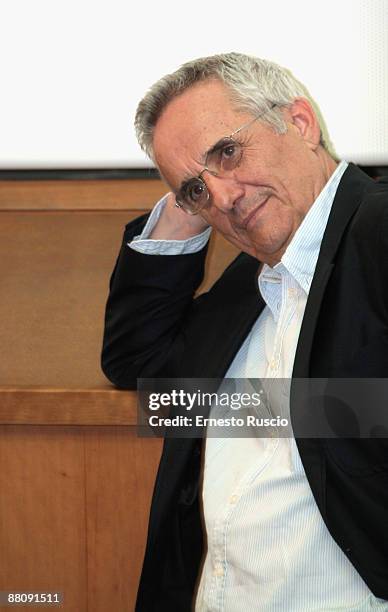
column 325, row 168
column 328, row 164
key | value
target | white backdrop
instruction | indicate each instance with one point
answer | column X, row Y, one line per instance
column 72, row 71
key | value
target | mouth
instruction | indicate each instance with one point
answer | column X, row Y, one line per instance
column 246, row 221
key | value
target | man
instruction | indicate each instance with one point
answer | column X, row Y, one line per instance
column 289, row 524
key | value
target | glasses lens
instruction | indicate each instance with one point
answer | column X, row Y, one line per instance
column 226, row 156
column 193, row 196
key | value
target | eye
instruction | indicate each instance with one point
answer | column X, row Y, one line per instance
column 195, row 190
column 230, row 155
column 228, row 151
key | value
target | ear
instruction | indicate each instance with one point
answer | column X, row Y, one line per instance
column 304, row 120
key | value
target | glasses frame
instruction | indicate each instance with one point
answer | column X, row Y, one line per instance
column 180, row 204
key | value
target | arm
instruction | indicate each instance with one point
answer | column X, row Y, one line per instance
column 150, row 298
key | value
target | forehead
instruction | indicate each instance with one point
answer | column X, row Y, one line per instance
column 190, row 124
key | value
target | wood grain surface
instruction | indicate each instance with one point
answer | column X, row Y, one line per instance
column 74, row 510
column 42, row 513
column 123, row 194
column 55, row 271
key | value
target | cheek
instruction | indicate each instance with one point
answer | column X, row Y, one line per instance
column 220, row 222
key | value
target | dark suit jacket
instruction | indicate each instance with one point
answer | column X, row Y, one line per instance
column 154, row 328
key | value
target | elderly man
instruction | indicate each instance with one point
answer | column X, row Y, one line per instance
column 286, row 524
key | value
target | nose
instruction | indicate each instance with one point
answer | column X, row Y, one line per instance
column 224, row 191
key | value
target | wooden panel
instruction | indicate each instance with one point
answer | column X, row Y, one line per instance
column 105, row 406
column 74, row 509
column 220, row 254
column 55, row 269
column 42, row 513
column 121, row 194
column 120, row 471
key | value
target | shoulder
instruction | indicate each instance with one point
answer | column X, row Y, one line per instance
column 369, row 229
column 371, row 217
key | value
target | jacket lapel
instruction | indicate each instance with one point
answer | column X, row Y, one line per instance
column 348, row 198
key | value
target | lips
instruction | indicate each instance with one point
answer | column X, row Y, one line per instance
column 253, row 212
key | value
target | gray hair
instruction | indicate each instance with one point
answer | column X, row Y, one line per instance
column 255, row 85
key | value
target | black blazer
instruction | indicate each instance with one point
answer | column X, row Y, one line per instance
column 154, row 328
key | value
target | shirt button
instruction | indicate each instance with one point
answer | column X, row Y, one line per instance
column 292, row 292
column 218, row 570
column 233, row 499
column 273, row 364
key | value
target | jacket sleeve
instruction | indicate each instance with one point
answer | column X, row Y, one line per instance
column 150, row 297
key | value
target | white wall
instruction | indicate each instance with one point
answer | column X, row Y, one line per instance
column 72, row 71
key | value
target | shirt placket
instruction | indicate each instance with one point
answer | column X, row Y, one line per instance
column 218, row 572
column 215, row 590
column 285, row 304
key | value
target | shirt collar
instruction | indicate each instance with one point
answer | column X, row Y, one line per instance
column 301, row 255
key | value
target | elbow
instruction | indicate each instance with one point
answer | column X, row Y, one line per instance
column 117, row 374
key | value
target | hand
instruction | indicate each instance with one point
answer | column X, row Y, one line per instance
column 175, row 224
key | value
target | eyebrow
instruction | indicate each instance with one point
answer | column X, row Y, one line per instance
column 188, row 178
column 184, row 184
column 212, row 149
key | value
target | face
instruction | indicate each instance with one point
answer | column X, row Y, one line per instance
column 260, row 204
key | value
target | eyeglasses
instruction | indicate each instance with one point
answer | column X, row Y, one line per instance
column 225, row 156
